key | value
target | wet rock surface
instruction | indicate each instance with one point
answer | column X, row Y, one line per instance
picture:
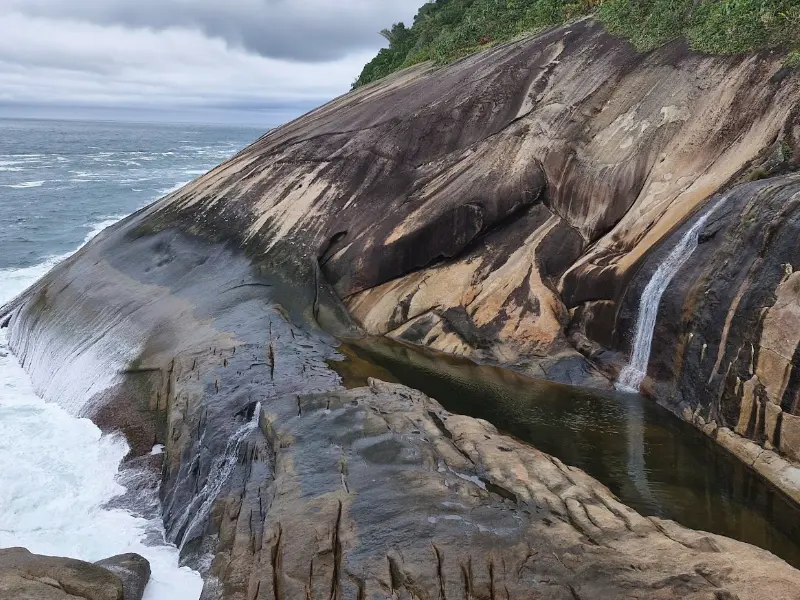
column 378, row 492
column 505, row 208
column 27, row 576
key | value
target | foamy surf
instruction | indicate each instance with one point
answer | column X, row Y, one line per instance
column 15, row 281
column 60, row 472
column 25, row 185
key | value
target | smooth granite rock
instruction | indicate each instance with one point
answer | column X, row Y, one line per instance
column 510, row 207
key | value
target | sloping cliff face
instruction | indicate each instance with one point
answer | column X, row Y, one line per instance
column 509, row 208
column 506, row 208
column 486, row 208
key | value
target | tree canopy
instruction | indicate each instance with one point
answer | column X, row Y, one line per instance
column 444, row 30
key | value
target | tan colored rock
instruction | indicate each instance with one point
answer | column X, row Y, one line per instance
column 790, row 436
column 746, row 408
column 780, row 338
column 772, row 416
column 26, row 576
column 379, row 492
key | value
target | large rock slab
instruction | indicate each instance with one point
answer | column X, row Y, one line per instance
column 491, row 207
column 379, row 492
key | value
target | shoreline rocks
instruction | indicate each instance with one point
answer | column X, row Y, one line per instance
column 27, row 576
column 487, row 209
column 335, row 491
column 379, row 492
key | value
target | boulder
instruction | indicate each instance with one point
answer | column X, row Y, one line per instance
column 132, row 569
column 27, row 576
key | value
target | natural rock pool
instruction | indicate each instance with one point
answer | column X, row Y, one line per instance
column 651, row 460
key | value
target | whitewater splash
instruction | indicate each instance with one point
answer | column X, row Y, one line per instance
column 60, row 473
column 634, row 373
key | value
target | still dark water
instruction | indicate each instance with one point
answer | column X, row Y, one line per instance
column 650, row 459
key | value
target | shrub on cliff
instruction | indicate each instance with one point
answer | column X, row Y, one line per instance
column 445, row 30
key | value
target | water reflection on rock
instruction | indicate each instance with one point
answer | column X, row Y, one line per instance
column 651, row 460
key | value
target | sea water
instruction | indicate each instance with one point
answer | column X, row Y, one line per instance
column 61, row 183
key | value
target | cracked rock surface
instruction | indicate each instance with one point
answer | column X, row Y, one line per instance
column 380, row 493
column 500, row 208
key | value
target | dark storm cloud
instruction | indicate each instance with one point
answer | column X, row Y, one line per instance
column 301, row 30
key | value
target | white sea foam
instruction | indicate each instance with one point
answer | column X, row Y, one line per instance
column 11, row 165
column 15, row 281
column 174, row 188
column 25, row 185
column 59, row 473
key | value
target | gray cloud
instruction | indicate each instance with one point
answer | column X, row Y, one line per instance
column 271, row 59
column 302, row 30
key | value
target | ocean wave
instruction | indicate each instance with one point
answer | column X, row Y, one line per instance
column 135, row 180
column 174, row 188
column 55, row 489
column 25, row 185
column 15, row 281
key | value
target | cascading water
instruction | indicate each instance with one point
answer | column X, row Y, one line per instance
column 632, row 375
column 218, row 475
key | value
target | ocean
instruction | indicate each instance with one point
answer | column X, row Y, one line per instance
column 61, row 183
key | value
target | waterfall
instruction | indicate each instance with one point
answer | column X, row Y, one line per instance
column 632, row 375
column 218, row 475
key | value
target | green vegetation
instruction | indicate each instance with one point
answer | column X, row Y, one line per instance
column 445, row 30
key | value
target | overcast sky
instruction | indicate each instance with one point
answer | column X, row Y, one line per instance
column 247, row 61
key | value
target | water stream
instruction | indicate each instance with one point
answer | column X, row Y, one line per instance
column 198, row 509
column 632, row 375
column 651, row 460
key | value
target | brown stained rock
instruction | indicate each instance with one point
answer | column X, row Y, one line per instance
column 507, row 188
column 26, row 576
column 790, row 438
column 780, row 337
column 379, row 492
